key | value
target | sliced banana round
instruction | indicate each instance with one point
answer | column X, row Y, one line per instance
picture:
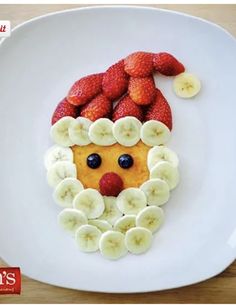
column 60, row 131
column 60, row 171
column 70, row 220
column 102, row 225
column 154, row 133
column 166, row 171
column 127, row 131
column 138, row 240
column 87, row 238
column 112, row 245
column 111, row 212
column 150, row 218
column 156, row 190
column 100, row 132
column 161, row 153
column 90, row 201
column 125, row 223
column 186, row 85
column 66, row 191
column 131, row 201
column 78, row 131
column 57, row 153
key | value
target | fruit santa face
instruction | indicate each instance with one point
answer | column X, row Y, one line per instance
column 111, row 178
column 109, row 167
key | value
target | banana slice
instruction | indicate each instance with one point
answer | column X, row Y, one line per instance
column 111, row 212
column 66, row 191
column 150, row 218
column 138, row 240
column 90, row 201
column 78, row 131
column 166, row 171
column 186, row 85
column 156, row 190
column 127, row 131
column 154, row 133
column 60, row 131
column 131, row 201
column 112, row 245
column 59, row 171
column 161, row 153
column 70, row 220
column 102, row 225
column 100, row 132
column 57, row 153
column 87, row 238
column 125, row 223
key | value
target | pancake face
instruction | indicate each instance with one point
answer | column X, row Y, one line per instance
column 111, row 179
column 132, row 177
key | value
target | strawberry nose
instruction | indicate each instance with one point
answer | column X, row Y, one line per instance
column 110, row 184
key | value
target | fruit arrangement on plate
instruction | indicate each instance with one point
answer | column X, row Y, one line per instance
column 110, row 168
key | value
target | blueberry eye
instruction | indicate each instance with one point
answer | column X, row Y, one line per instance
column 94, row 161
column 125, row 161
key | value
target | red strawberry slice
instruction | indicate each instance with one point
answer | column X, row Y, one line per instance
column 110, row 184
column 85, row 89
column 115, row 81
column 139, row 64
column 99, row 107
column 167, row 64
column 142, row 90
column 64, row 109
column 160, row 110
column 126, row 107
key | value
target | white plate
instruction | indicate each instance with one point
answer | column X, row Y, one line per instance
column 38, row 63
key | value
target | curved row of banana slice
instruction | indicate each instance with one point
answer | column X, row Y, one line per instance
column 70, row 194
column 131, row 233
column 127, row 131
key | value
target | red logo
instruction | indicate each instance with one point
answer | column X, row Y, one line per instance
column 2, row 28
column 10, row 280
column 5, row 28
